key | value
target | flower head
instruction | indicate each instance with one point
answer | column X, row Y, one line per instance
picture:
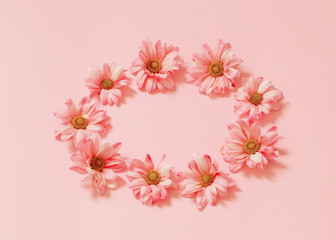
column 99, row 163
column 82, row 122
column 204, row 182
column 246, row 145
column 257, row 97
column 155, row 65
column 107, row 83
column 149, row 183
column 214, row 71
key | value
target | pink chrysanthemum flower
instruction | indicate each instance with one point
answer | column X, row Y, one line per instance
column 99, row 162
column 257, row 97
column 150, row 183
column 214, row 71
column 107, row 83
column 155, row 65
column 246, row 145
column 82, row 122
column 204, row 182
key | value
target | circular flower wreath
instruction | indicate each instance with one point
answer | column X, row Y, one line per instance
column 213, row 71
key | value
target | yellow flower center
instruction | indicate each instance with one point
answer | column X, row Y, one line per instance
column 207, row 179
column 79, row 122
column 216, row 69
column 107, row 84
column 153, row 177
column 251, row 146
column 97, row 164
column 154, row 66
column 256, row 98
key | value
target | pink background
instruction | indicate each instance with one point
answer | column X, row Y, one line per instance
column 46, row 47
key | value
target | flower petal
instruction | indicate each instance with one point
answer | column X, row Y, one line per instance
column 78, row 169
column 257, row 157
column 149, row 163
column 166, row 183
column 201, row 201
column 264, row 86
column 201, row 163
column 138, row 183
